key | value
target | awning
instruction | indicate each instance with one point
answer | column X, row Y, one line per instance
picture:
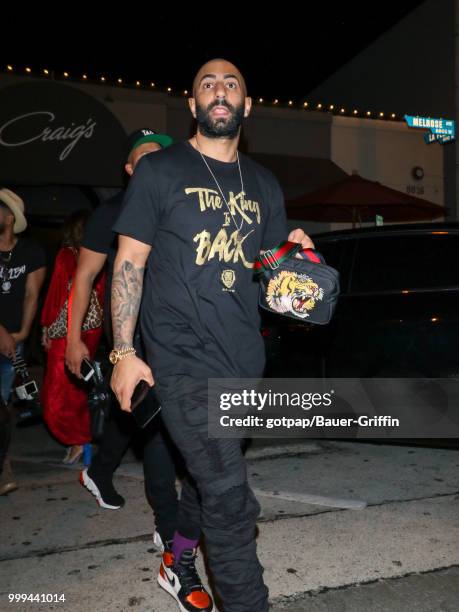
column 52, row 133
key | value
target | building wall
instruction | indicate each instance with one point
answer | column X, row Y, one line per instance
column 380, row 150
column 133, row 108
column 387, row 152
column 288, row 132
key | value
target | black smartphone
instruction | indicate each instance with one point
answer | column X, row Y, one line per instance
column 86, row 370
column 144, row 403
column 31, row 387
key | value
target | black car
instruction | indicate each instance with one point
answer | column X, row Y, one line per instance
column 398, row 312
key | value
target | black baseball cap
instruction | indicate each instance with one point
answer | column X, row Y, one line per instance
column 141, row 136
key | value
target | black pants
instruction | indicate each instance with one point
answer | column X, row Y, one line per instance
column 159, row 469
column 218, row 496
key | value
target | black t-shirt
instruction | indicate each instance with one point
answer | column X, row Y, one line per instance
column 199, row 313
column 99, row 237
column 26, row 257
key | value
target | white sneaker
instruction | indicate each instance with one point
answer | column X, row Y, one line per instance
column 103, row 491
column 157, row 542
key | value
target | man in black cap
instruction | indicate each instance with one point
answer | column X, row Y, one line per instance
column 99, row 248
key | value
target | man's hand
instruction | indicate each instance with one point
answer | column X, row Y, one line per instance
column 45, row 339
column 7, row 343
column 75, row 352
column 126, row 374
column 298, row 235
column 19, row 336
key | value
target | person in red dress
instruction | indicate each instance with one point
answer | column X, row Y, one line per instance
column 64, row 397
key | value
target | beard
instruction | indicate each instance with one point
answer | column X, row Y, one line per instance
column 221, row 127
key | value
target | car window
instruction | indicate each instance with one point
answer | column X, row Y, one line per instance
column 337, row 254
column 392, row 263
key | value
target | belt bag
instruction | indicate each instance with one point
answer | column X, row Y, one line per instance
column 304, row 289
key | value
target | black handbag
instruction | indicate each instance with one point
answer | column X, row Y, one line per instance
column 99, row 400
column 304, row 289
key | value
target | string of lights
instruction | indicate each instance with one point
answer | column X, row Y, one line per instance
column 306, row 105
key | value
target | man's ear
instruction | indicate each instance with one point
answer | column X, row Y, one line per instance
column 129, row 169
column 248, row 106
column 192, row 105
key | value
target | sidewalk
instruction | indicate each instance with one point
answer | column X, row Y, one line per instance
column 396, row 550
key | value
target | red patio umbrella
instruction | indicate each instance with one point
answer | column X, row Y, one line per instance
column 358, row 199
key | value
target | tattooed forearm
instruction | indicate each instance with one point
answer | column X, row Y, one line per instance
column 126, row 296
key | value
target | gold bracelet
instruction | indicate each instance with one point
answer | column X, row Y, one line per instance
column 118, row 354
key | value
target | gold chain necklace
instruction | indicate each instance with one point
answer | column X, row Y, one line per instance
column 238, row 227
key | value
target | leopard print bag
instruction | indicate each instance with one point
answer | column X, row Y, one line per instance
column 93, row 319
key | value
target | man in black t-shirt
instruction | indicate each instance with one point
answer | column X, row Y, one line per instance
column 205, row 212
column 22, row 272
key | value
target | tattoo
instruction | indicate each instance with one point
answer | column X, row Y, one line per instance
column 127, row 286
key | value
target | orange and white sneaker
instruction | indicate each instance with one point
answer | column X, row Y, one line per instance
column 183, row 583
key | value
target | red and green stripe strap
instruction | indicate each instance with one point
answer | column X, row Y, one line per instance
column 273, row 258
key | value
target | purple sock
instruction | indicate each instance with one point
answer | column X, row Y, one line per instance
column 180, row 544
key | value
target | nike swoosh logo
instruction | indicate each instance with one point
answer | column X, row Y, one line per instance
column 171, row 580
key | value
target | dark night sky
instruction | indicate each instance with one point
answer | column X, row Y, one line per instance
column 281, row 55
